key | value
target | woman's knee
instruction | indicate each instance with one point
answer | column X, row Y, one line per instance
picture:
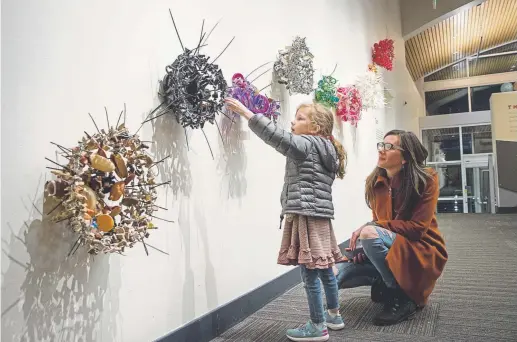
column 369, row 232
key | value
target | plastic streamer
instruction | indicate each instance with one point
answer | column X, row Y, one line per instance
column 383, row 54
column 250, row 97
column 294, row 68
column 350, row 104
column 371, row 89
column 326, row 92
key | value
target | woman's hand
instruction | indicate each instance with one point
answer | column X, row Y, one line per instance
column 355, row 236
column 237, row 107
column 360, row 257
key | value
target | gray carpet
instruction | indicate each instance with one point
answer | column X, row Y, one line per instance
column 474, row 300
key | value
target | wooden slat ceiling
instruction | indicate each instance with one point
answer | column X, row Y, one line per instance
column 490, row 24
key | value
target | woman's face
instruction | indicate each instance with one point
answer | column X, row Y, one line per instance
column 390, row 153
column 302, row 123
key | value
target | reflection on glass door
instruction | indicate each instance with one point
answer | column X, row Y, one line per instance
column 477, row 195
column 450, row 199
column 478, row 190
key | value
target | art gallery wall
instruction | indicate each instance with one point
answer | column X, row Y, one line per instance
column 64, row 59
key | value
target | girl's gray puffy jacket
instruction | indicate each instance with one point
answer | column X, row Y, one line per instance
column 310, row 170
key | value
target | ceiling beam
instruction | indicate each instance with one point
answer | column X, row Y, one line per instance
column 442, row 18
column 471, row 56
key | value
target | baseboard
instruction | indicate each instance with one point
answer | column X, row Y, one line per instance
column 217, row 321
column 506, row 210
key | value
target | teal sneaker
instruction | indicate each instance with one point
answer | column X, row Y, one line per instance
column 310, row 332
column 334, row 322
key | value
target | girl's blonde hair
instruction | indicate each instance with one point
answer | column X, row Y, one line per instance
column 323, row 120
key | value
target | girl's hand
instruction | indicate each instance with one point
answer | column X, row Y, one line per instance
column 237, row 107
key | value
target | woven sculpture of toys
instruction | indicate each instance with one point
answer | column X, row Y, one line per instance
column 368, row 92
column 106, row 191
column 250, row 96
column 294, row 67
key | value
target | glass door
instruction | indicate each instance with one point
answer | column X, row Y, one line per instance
column 477, row 184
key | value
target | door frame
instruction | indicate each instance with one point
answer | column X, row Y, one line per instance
column 484, row 160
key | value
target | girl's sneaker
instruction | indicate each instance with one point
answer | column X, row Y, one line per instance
column 334, row 322
column 310, row 332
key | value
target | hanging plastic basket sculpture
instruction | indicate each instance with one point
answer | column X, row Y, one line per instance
column 350, row 104
column 326, row 92
column 244, row 91
column 383, row 54
column 294, row 68
column 371, row 88
column 106, row 191
column 193, row 88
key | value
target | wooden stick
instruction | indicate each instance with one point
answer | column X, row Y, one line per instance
column 107, row 118
column 218, row 129
column 61, row 147
column 212, row 30
column 64, row 219
column 57, row 206
column 155, row 163
column 120, row 115
column 256, row 69
column 158, row 218
column 75, row 244
column 157, row 249
column 260, row 75
column 210, row 147
column 269, row 85
column 53, row 162
column 222, row 51
column 202, row 35
column 94, row 123
column 157, row 185
column 175, row 28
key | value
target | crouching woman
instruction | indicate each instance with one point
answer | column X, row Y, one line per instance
column 401, row 253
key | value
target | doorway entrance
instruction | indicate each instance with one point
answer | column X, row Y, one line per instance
column 478, row 184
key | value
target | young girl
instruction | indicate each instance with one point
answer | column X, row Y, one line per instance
column 314, row 159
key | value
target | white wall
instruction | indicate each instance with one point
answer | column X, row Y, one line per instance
column 63, row 59
column 503, row 128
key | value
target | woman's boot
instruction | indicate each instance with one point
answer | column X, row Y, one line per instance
column 398, row 308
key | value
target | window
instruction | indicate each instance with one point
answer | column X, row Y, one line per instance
column 448, row 101
column 442, row 144
column 480, row 96
column 477, row 139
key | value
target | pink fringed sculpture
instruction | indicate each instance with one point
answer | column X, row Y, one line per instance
column 350, row 104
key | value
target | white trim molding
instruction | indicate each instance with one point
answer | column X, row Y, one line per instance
column 455, row 120
column 473, row 81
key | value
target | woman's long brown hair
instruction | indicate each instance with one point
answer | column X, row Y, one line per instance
column 414, row 176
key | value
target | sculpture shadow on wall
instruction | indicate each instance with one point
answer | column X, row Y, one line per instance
column 210, row 278
column 279, row 92
column 232, row 157
column 171, row 142
column 63, row 296
column 345, row 129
